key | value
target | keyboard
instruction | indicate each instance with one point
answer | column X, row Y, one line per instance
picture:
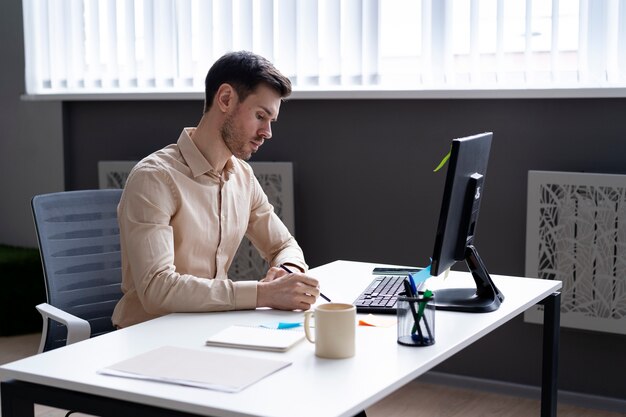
column 381, row 295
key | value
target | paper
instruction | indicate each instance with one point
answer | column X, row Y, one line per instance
column 377, row 321
column 443, row 161
column 248, row 337
column 421, row 276
column 281, row 325
column 196, row 368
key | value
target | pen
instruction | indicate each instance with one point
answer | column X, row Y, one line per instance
column 288, row 270
column 413, row 287
column 407, row 288
column 427, row 296
column 416, row 328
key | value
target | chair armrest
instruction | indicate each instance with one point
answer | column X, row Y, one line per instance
column 77, row 328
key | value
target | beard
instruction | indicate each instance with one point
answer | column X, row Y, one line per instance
column 233, row 138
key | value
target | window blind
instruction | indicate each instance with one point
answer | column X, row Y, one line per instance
column 155, row 46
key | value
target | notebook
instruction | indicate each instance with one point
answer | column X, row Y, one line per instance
column 196, row 368
column 260, row 338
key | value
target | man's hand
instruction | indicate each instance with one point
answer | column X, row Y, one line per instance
column 287, row 291
column 273, row 273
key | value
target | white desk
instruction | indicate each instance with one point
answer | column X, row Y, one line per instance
column 329, row 388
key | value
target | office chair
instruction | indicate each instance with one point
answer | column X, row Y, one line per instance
column 79, row 242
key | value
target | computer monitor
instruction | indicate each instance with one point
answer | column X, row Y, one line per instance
column 463, row 192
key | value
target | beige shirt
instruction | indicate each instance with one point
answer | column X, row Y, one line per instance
column 181, row 223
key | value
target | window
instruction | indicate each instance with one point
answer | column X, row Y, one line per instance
column 166, row 46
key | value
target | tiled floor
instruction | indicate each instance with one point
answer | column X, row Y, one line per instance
column 18, row 347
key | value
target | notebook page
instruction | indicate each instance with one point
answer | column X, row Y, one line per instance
column 197, row 368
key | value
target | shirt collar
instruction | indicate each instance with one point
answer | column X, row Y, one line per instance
column 198, row 164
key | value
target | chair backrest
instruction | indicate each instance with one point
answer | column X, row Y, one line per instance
column 79, row 242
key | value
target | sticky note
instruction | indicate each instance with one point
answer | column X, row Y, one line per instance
column 421, row 276
column 377, row 321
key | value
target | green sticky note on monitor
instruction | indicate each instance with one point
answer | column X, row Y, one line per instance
column 443, row 161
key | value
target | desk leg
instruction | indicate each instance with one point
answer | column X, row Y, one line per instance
column 19, row 397
column 550, row 362
column 14, row 404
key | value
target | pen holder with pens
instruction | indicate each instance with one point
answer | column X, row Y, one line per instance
column 416, row 319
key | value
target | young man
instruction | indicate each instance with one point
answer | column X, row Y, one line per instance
column 186, row 208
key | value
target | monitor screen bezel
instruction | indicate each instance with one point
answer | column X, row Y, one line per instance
column 469, row 156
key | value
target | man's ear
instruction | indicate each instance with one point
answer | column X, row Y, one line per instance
column 226, row 97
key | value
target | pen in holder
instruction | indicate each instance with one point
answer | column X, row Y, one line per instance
column 416, row 319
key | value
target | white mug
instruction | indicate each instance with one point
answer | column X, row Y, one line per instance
column 335, row 329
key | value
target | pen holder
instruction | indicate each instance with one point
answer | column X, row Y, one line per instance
column 416, row 320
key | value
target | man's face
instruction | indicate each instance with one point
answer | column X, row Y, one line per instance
column 248, row 125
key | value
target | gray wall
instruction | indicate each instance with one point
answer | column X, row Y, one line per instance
column 31, row 137
column 365, row 190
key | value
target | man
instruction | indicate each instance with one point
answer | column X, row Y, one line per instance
column 186, row 208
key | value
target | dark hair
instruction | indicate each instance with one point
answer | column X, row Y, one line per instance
column 244, row 71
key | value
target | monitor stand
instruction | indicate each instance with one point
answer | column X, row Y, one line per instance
column 482, row 299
